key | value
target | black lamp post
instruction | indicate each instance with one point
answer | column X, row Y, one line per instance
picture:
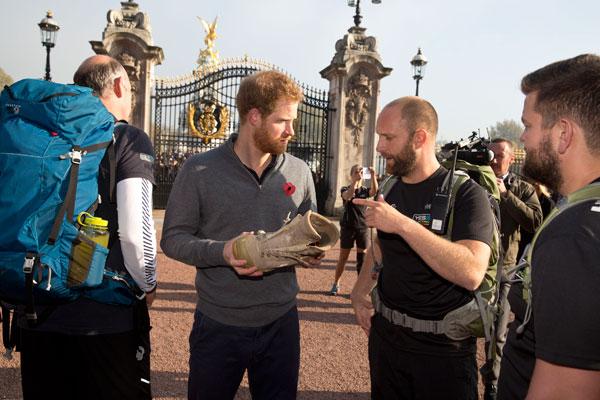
column 418, row 62
column 356, row 4
column 48, row 29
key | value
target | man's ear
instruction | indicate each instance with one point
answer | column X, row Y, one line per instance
column 419, row 138
column 254, row 117
column 118, row 86
column 566, row 130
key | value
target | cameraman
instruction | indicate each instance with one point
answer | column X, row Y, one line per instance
column 520, row 210
column 352, row 225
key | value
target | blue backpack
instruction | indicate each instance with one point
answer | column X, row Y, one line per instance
column 52, row 139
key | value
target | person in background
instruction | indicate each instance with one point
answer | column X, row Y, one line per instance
column 353, row 228
column 547, row 203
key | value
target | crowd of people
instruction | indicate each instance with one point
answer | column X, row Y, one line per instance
column 413, row 284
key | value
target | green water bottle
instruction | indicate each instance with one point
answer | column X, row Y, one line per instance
column 93, row 233
column 95, row 228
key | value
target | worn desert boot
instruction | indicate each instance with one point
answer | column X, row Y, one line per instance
column 308, row 235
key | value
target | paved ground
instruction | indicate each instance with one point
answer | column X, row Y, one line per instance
column 334, row 355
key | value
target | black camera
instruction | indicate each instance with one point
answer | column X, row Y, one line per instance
column 473, row 150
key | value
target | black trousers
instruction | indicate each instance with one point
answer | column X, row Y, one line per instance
column 91, row 367
column 403, row 375
column 219, row 355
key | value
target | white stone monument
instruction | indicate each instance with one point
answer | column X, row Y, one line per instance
column 353, row 75
column 128, row 38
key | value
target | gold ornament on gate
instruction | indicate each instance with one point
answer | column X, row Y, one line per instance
column 208, row 120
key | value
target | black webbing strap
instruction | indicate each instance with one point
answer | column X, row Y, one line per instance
column 112, row 162
column 112, row 166
column 6, row 327
column 32, row 261
column 68, row 205
column 9, row 91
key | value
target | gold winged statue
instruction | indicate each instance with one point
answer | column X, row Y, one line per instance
column 209, row 55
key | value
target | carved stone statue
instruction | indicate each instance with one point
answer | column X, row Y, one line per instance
column 127, row 37
column 128, row 17
column 357, row 106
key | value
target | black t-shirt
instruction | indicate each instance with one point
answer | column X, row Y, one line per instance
column 409, row 285
column 354, row 215
column 565, row 325
column 134, row 159
column 566, row 281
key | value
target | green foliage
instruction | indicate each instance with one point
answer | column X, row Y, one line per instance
column 508, row 129
column 5, row 79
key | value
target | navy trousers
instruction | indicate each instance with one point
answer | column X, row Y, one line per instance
column 220, row 354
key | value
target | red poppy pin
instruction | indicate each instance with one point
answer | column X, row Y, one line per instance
column 289, row 188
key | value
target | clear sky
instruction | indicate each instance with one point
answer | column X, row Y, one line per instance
column 478, row 50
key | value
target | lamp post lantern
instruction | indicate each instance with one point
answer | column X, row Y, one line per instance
column 418, row 62
column 48, row 29
column 356, row 4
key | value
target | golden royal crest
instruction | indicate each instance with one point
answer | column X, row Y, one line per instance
column 208, row 120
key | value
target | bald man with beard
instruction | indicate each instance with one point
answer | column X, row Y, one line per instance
column 424, row 276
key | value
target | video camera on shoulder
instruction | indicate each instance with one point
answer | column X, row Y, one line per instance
column 473, row 150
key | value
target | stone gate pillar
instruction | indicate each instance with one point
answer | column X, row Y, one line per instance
column 353, row 75
column 128, row 38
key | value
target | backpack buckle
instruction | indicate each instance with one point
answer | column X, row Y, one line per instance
column 74, row 155
column 28, row 264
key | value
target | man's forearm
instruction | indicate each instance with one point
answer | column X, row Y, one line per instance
column 463, row 263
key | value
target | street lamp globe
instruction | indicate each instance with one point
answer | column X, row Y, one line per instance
column 418, row 62
column 48, row 29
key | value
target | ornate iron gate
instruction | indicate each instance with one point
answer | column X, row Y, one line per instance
column 175, row 140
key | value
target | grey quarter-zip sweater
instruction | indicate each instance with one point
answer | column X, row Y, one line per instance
column 214, row 199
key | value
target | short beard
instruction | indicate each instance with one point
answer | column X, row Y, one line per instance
column 404, row 162
column 266, row 143
column 543, row 166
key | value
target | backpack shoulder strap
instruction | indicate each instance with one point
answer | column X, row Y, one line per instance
column 112, row 161
column 459, row 178
column 586, row 193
